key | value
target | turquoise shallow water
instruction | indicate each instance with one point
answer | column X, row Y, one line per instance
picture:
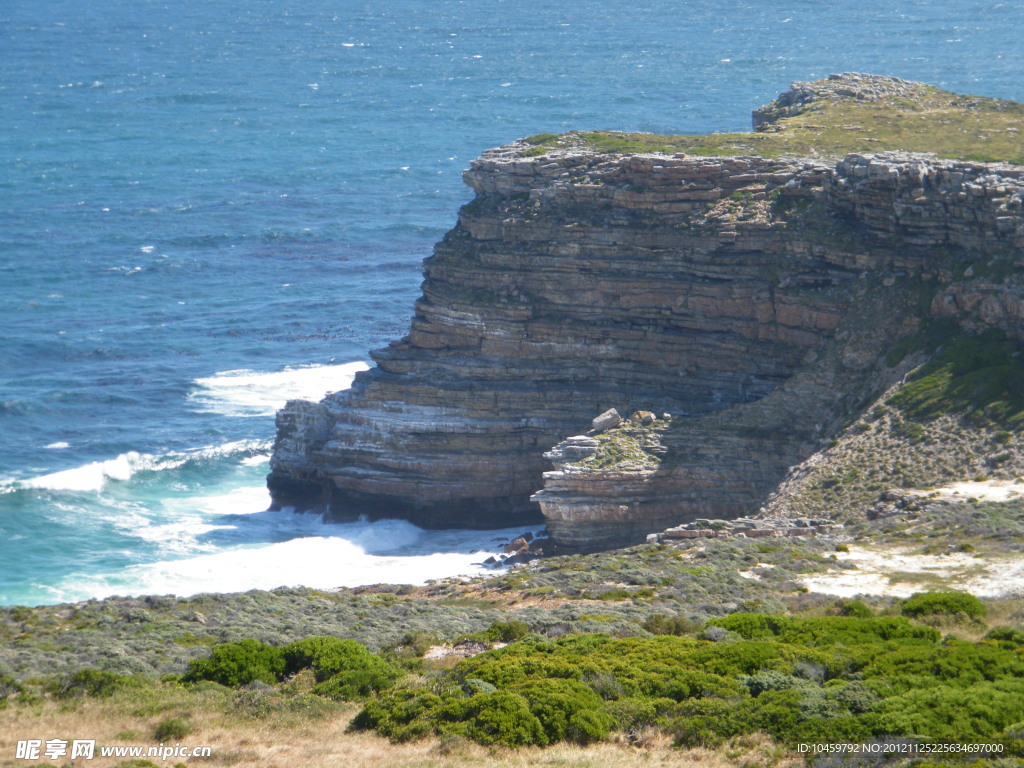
column 207, row 208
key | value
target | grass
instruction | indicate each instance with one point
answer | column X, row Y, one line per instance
column 630, row 446
column 927, row 120
column 976, row 376
column 280, row 738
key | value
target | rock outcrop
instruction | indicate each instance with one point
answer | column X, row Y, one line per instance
column 748, row 528
column 751, row 298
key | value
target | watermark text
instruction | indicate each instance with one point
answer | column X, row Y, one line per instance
column 51, row 749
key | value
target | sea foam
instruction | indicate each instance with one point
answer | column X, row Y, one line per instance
column 337, row 555
column 255, row 393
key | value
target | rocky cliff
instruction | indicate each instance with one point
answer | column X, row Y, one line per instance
column 750, row 302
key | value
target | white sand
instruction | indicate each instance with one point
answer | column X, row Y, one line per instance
column 885, row 572
column 987, row 490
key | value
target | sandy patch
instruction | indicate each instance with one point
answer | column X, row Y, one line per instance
column 753, row 572
column 462, row 650
column 897, row 573
column 987, row 490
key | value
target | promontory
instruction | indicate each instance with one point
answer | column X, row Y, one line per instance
column 742, row 301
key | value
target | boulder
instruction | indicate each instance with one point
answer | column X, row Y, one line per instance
column 606, row 420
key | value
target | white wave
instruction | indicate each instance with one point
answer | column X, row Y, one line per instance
column 180, row 537
column 382, row 536
column 255, row 393
column 241, row 518
column 91, row 477
column 94, row 476
column 57, row 446
column 346, row 555
column 182, row 526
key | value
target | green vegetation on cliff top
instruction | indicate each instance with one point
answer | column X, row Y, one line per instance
column 914, row 117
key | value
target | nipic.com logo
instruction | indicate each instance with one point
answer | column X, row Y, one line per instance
column 31, row 749
column 51, row 749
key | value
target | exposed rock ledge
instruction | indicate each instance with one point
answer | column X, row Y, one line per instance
column 752, row 298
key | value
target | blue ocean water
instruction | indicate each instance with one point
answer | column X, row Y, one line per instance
column 207, row 208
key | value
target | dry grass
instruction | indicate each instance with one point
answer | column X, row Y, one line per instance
column 276, row 742
column 1001, row 613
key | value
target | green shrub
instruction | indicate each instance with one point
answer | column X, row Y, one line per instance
column 857, row 697
column 978, row 376
column 855, row 608
column 825, row 630
column 235, row 664
column 708, row 722
column 417, row 643
column 344, row 669
column 771, row 680
column 932, row 603
column 472, row 685
column 90, row 682
column 661, row 624
column 842, row 729
column 637, row 712
column 326, row 656
column 1013, row 738
column 357, row 684
column 500, row 718
column 8, row 686
column 1007, row 637
column 951, row 713
column 507, row 631
column 816, row 680
column 174, row 728
column 1002, row 437
column 567, row 710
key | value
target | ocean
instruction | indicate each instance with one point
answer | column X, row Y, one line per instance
column 209, row 208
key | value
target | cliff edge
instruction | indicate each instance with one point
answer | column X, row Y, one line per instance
column 742, row 294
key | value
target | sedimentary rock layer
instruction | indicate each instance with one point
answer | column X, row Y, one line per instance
column 751, row 298
column 883, row 247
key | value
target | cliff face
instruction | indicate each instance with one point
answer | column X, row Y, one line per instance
column 752, row 299
column 879, row 250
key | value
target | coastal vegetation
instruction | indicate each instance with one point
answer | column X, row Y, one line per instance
column 976, row 377
column 613, row 592
column 955, row 418
column 702, row 652
column 746, row 687
column 818, row 680
column 633, row 445
column 705, row 652
column 922, row 119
